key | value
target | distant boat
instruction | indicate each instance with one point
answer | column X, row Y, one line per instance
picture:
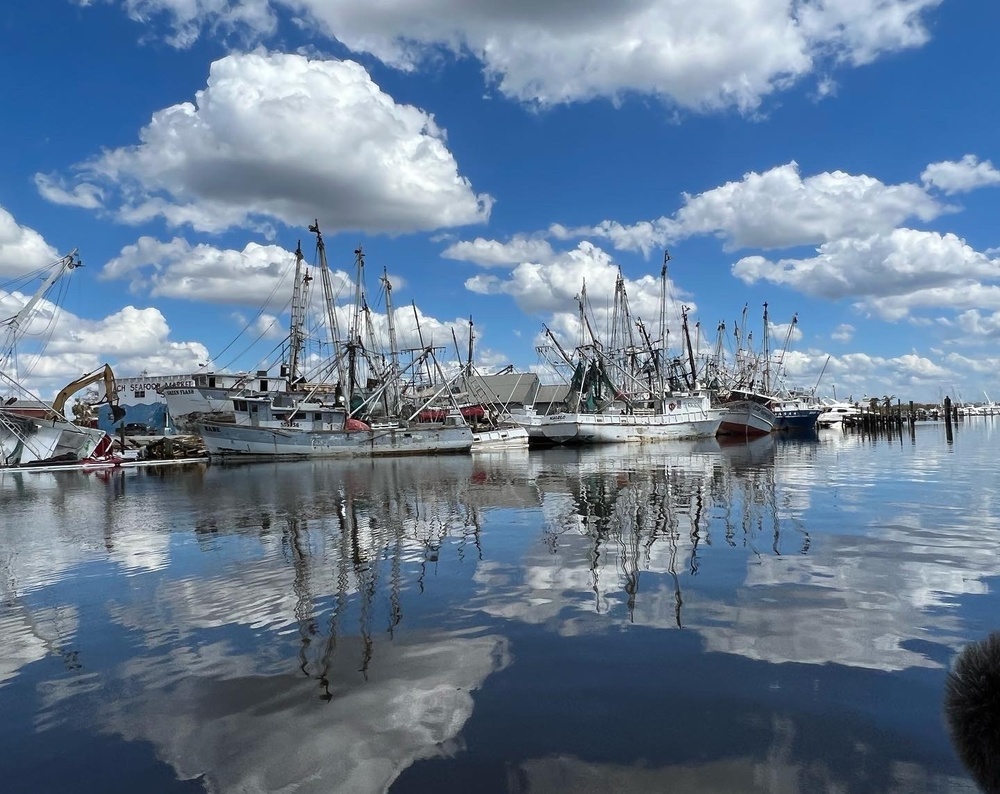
column 756, row 378
column 834, row 413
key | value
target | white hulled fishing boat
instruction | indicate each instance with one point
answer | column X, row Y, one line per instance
column 691, row 416
column 283, row 427
column 622, row 392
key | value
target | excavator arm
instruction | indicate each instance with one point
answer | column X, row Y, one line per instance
column 110, row 391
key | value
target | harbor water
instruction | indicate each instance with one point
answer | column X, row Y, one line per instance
column 771, row 616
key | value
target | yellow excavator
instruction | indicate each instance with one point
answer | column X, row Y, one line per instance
column 110, row 391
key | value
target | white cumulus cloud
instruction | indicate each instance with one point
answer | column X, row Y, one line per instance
column 493, row 253
column 961, row 176
column 780, row 209
column 59, row 347
column 550, row 289
column 885, row 270
column 777, row 208
column 286, row 138
column 83, row 194
column 256, row 276
column 843, row 333
column 705, row 55
column 22, row 249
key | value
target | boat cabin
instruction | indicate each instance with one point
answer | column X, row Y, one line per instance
column 284, row 411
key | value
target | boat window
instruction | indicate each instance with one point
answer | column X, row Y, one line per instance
column 263, row 385
column 240, row 405
column 211, row 382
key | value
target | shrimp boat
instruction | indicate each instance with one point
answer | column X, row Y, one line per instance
column 285, row 427
column 622, row 392
column 746, row 418
column 751, row 387
column 359, row 414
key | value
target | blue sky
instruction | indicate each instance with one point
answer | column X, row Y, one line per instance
column 833, row 159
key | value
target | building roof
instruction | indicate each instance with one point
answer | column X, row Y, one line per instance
column 552, row 393
column 516, row 387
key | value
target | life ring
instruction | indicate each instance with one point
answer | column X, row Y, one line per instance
column 672, row 406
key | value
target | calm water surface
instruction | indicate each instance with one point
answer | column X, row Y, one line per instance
column 777, row 616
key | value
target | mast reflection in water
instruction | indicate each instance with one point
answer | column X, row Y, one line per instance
column 775, row 615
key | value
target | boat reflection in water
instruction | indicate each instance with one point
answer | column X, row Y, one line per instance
column 492, row 620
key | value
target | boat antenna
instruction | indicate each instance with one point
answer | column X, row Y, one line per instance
column 816, row 387
column 472, row 340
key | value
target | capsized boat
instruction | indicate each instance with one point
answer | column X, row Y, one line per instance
column 32, row 441
column 33, row 433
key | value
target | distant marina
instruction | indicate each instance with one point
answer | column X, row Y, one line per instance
column 371, row 398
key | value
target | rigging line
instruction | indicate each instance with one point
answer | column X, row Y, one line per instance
column 25, row 278
column 249, row 347
column 47, row 333
column 250, row 322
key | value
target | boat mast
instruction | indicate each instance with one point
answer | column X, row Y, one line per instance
column 821, row 373
column 565, row 356
column 692, row 378
column 653, row 357
column 423, row 347
column 296, row 336
column 354, row 343
column 331, row 309
column 663, row 331
column 472, row 340
column 585, row 327
column 767, row 356
column 717, row 358
column 458, row 352
column 393, row 346
column 7, row 352
column 784, row 347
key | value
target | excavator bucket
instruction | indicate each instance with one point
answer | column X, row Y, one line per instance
column 117, row 413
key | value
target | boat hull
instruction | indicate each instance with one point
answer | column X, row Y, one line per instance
column 797, row 419
column 746, row 418
column 236, row 440
column 27, row 441
column 515, row 437
column 582, row 428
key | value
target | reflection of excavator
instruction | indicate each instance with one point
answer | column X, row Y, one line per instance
column 110, row 391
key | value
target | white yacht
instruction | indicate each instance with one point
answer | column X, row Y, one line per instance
column 834, row 413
